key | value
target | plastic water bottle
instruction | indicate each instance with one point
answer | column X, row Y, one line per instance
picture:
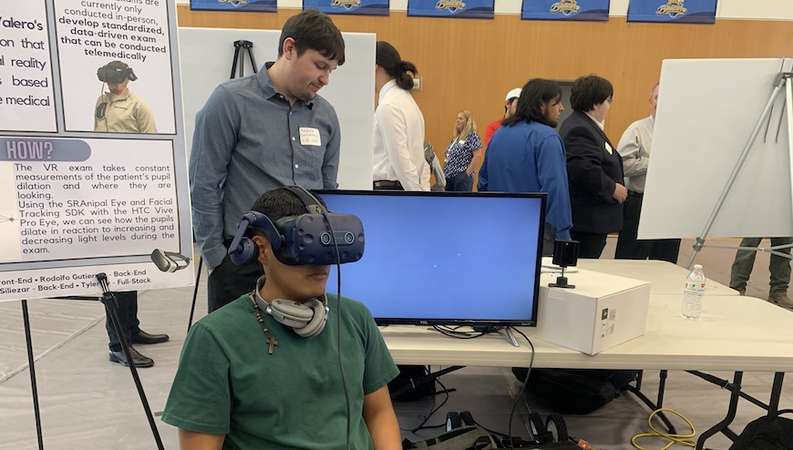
column 693, row 293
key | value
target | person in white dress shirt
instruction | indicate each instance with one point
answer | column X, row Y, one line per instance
column 398, row 156
column 635, row 147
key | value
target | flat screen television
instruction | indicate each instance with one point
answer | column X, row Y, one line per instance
column 444, row 258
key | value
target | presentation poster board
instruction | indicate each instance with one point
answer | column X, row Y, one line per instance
column 89, row 38
column 350, row 91
column 585, row 10
column 27, row 101
column 93, row 172
column 672, row 11
column 350, row 7
column 234, row 5
column 464, row 9
column 707, row 109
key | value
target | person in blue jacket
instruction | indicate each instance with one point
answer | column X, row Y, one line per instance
column 527, row 155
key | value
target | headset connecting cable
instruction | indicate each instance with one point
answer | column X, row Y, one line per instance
column 525, row 383
column 423, row 425
column 338, row 324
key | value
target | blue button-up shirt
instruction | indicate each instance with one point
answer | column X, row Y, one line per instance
column 248, row 140
column 530, row 157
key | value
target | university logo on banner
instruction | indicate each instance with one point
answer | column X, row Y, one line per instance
column 672, row 11
column 352, row 7
column 471, row 9
column 234, row 5
column 565, row 10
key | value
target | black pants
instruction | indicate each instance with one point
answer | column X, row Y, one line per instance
column 591, row 244
column 228, row 281
column 628, row 247
column 462, row 182
column 127, row 316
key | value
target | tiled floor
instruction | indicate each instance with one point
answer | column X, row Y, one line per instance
column 88, row 403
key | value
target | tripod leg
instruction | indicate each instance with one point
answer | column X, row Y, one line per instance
column 234, row 62
column 789, row 112
column 195, row 292
column 764, row 116
column 109, row 300
column 32, row 368
column 253, row 61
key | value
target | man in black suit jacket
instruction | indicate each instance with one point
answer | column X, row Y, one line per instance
column 594, row 167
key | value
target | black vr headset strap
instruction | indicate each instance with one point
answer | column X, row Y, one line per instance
column 262, row 223
column 312, row 203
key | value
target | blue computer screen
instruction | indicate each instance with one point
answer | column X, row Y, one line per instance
column 443, row 258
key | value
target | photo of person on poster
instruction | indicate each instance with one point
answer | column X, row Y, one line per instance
column 119, row 110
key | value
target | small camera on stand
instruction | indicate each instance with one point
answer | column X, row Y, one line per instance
column 565, row 254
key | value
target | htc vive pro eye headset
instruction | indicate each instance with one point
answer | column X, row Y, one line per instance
column 301, row 240
column 115, row 72
column 317, row 237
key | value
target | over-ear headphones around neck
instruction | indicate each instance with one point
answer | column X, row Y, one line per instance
column 306, row 319
column 304, row 239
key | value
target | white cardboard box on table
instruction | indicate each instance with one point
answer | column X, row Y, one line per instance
column 600, row 312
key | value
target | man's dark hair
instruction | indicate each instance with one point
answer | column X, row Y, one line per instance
column 589, row 91
column 280, row 203
column 387, row 57
column 535, row 93
column 313, row 30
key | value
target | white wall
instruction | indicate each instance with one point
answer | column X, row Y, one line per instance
column 727, row 9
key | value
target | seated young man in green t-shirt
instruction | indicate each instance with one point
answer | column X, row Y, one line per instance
column 247, row 381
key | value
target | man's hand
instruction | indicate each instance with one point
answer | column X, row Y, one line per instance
column 620, row 193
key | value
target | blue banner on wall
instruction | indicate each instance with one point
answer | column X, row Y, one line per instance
column 234, row 5
column 565, row 10
column 471, row 9
column 360, row 7
column 677, row 11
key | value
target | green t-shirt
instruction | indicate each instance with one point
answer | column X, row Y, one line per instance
column 227, row 383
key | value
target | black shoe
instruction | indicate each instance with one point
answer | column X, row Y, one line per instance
column 142, row 337
column 137, row 358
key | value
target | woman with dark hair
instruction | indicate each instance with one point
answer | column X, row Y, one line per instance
column 597, row 188
column 527, row 155
column 464, row 154
column 398, row 155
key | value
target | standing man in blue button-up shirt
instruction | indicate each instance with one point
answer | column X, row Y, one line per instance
column 260, row 132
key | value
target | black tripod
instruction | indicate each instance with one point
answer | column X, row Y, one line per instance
column 111, row 307
column 244, row 47
column 239, row 64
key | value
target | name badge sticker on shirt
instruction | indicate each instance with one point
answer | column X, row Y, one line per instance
column 310, row 136
column 608, row 148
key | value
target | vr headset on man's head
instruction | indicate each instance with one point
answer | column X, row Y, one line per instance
column 115, row 72
column 305, row 239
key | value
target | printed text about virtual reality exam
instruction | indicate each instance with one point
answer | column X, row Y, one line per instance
column 26, row 92
column 91, row 197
